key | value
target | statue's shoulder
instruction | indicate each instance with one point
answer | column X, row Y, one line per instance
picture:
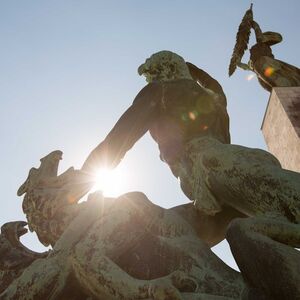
column 184, row 86
column 150, row 92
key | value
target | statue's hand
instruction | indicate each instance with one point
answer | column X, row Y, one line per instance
column 243, row 66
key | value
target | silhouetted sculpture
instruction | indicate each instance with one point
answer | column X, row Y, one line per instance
column 123, row 248
column 180, row 109
column 128, row 248
column 190, row 125
column 270, row 72
column 14, row 257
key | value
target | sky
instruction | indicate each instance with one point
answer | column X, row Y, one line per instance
column 68, row 70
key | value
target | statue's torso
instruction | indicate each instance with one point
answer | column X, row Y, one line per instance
column 259, row 50
column 187, row 111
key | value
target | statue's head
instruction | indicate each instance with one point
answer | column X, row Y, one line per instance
column 13, row 230
column 164, row 66
column 271, row 38
column 48, row 168
column 50, row 162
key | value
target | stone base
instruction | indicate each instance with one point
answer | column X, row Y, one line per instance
column 281, row 126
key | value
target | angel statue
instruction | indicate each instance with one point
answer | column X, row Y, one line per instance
column 270, row 71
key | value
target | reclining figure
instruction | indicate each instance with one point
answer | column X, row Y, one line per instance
column 123, row 248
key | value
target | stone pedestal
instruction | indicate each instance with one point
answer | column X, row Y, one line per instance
column 281, row 126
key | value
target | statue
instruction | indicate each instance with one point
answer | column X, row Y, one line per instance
column 124, row 248
column 270, row 72
column 190, row 124
column 14, row 256
column 128, row 248
column 179, row 111
column 191, row 127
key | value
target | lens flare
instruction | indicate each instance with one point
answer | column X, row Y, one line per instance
column 269, row 71
column 250, row 77
column 192, row 116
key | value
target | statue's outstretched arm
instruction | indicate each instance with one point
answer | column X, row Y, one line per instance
column 205, row 79
column 258, row 32
column 132, row 125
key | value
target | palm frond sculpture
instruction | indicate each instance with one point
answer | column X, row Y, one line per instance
column 242, row 40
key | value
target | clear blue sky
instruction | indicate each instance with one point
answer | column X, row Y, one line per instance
column 68, row 70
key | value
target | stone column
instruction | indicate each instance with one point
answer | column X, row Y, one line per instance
column 281, row 126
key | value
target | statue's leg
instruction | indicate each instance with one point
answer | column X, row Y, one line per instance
column 107, row 281
column 267, row 265
column 111, row 236
column 251, row 181
column 198, row 296
column 45, row 279
column 276, row 73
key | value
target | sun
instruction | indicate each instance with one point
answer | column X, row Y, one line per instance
column 111, row 182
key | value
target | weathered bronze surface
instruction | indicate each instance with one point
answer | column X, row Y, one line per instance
column 127, row 247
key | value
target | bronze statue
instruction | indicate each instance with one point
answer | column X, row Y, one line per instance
column 180, row 106
column 14, row 256
column 127, row 248
column 270, row 72
column 110, row 249
column 189, row 122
